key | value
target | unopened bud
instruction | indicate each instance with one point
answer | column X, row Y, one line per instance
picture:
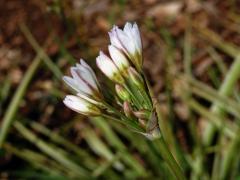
column 127, row 109
column 118, row 58
column 107, row 66
column 81, row 106
column 135, row 77
column 122, row 92
column 128, row 40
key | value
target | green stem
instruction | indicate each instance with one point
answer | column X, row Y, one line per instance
column 204, row 91
column 198, row 108
column 13, row 106
column 230, row 154
column 51, row 65
column 225, row 90
column 164, row 150
column 123, row 119
column 58, row 139
column 169, row 159
column 216, row 40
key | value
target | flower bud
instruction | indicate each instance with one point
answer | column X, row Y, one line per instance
column 81, row 106
column 122, row 93
column 84, row 82
column 129, row 41
column 135, row 78
column 118, row 58
column 127, row 109
column 107, row 66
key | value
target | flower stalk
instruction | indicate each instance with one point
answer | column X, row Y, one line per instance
column 169, row 159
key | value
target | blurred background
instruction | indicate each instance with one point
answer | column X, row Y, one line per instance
column 41, row 40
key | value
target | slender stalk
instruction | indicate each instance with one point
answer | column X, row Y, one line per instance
column 227, row 130
column 225, row 90
column 230, row 154
column 123, row 119
column 212, row 95
column 197, row 149
column 164, row 150
column 217, row 159
column 169, row 159
column 13, row 106
column 54, row 68
column 58, row 139
column 115, row 141
column 216, row 40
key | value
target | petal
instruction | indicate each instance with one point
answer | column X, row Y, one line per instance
column 106, row 65
column 81, row 105
column 137, row 37
column 85, row 97
column 133, row 33
column 118, row 57
column 86, row 76
column 82, row 85
column 71, row 83
column 76, row 104
column 84, row 64
column 127, row 28
column 114, row 38
column 126, row 41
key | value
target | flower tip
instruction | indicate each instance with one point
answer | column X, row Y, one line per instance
column 64, row 78
column 68, row 100
column 128, row 24
column 110, row 48
column 68, row 80
column 81, row 106
column 114, row 27
column 82, row 61
column 73, row 70
column 101, row 53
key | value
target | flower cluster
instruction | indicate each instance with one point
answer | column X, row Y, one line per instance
column 132, row 104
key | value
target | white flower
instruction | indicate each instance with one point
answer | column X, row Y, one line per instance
column 84, row 81
column 118, row 58
column 129, row 41
column 81, row 106
column 133, row 33
column 107, row 66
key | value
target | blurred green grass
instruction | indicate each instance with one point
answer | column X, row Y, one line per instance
column 69, row 146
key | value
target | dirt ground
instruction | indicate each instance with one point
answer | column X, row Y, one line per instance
column 72, row 29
